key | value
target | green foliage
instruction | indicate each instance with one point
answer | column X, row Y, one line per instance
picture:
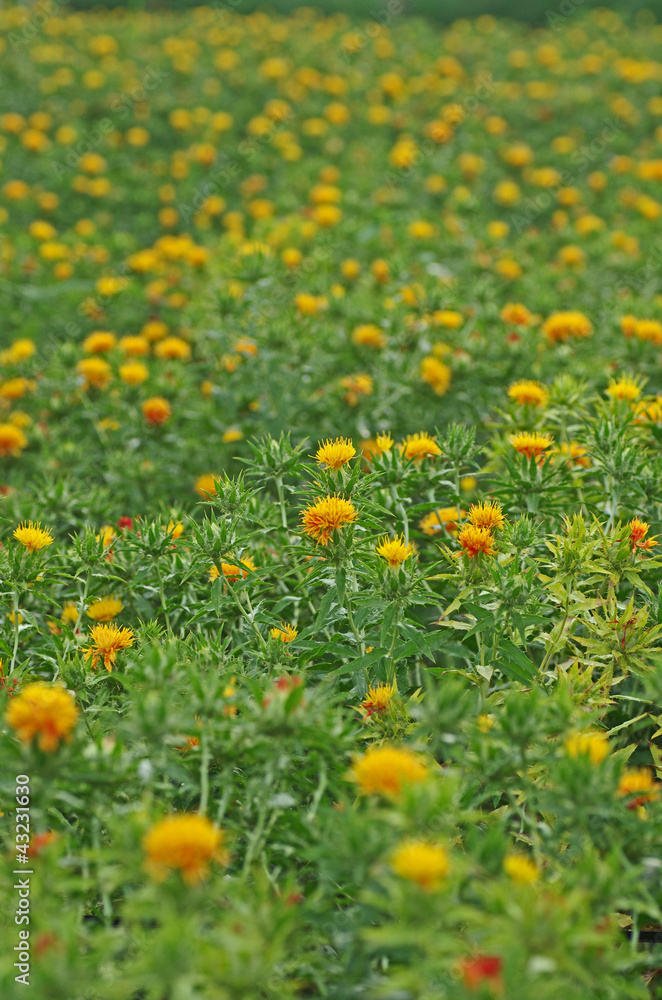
column 330, row 595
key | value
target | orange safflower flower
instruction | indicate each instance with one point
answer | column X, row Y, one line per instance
column 475, row 541
column 326, row 515
column 531, row 444
column 156, row 410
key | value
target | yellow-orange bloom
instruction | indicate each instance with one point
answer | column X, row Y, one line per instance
column 575, row 454
column 12, row 440
column 204, row 485
column 626, row 388
column 629, row 325
column 134, row 372
column 355, row 386
column 475, row 541
column 387, row 770
column 595, row 746
column 335, row 454
column 560, row 326
column 99, row 342
column 156, row 410
column 516, row 313
column 187, row 843
column 231, row 435
column 231, row 571
column 394, row 550
column 286, row 632
column 380, row 445
column 95, row 372
column 638, row 782
column 33, row 536
column 421, row 862
column 44, row 710
column 326, row 515
column 487, row 515
column 648, row 329
column 104, row 609
column 69, row 614
column 527, row 392
column 419, row 446
column 173, row 349
column 309, row 304
column 14, row 388
column 530, row 443
column 436, row 374
column 638, row 532
column 521, row 869
column 437, row 520
column 107, row 641
column 20, row 350
column 368, row 335
column 378, row 698
column 449, row 318
column 107, row 535
column 134, row 345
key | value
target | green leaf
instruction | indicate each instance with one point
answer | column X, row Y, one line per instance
column 341, row 580
column 388, row 623
column 323, row 613
column 361, row 662
column 216, row 595
column 517, row 664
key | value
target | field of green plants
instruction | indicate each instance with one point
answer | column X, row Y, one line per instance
column 330, row 493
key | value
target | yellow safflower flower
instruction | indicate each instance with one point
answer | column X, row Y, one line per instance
column 416, row 447
column 107, row 641
column 286, row 632
column 32, row 536
column 527, row 392
column 326, row 515
column 530, row 443
column 421, row 862
column 335, row 454
column 104, row 609
column 394, row 550
column 624, row 388
column 44, row 710
column 594, row 745
column 388, row 770
column 521, row 869
column 187, row 843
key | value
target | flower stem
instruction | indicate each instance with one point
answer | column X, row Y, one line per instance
column 249, row 617
column 81, row 611
column 15, row 650
column 281, row 501
column 204, row 775
column 162, row 595
column 391, row 669
column 552, row 647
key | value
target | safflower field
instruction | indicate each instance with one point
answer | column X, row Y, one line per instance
column 331, row 478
